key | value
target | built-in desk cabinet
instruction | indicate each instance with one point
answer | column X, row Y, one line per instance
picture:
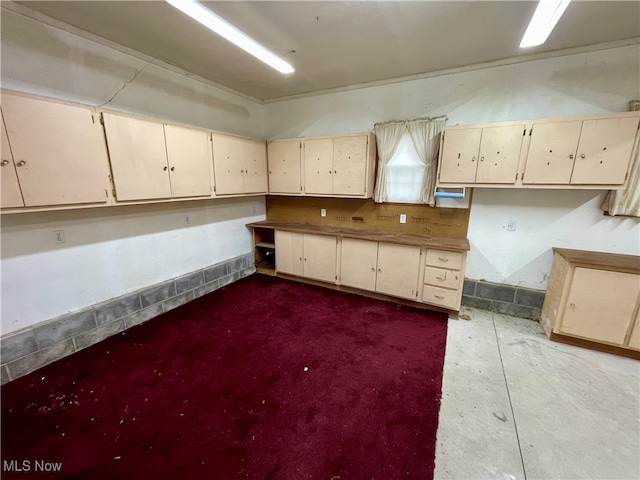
column 405, row 267
column 240, row 165
column 592, row 152
column 593, row 297
column 53, row 153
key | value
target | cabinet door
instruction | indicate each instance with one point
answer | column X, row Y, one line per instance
column 284, row 167
column 58, row 151
column 349, row 165
column 600, row 305
column 552, row 152
column 189, row 156
column 138, row 157
column 318, row 166
column 10, row 196
column 255, row 166
column 358, row 262
column 228, row 164
column 459, row 155
column 320, row 257
column 499, row 154
column 398, row 269
column 289, row 252
column 604, row 151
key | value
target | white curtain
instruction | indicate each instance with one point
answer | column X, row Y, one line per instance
column 388, row 135
column 627, row 201
column 425, row 135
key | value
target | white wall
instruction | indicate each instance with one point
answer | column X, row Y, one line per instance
column 586, row 83
column 115, row 250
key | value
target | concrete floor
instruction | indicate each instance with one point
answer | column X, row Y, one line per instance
column 516, row 405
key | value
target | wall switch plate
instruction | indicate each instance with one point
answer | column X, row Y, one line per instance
column 58, row 236
column 403, row 218
column 511, row 225
column 323, row 212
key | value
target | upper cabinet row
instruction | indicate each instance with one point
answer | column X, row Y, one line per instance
column 342, row 166
column 54, row 154
column 590, row 152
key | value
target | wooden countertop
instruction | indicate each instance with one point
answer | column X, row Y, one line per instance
column 453, row 244
column 607, row 261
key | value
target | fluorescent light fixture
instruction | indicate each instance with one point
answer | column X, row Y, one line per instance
column 544, row 19
column 223, row 28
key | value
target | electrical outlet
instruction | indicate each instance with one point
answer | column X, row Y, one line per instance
column 511, row 225
column 58, row 236
column 323, row 212
column 403, row 218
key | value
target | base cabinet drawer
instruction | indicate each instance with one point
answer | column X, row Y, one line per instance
column 442, row 278
column 445, row 259
column 440, row 296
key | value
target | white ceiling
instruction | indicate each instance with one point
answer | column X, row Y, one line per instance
column 340, row 44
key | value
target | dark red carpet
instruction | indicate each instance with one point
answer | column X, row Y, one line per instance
column 264, row 379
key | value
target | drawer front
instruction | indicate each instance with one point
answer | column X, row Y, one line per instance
column 440, row 296
column 442, row 278
column 444, row 259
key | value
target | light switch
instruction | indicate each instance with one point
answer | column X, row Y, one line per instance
column 323, row 212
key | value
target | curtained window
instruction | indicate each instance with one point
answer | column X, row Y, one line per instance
column 407, row 160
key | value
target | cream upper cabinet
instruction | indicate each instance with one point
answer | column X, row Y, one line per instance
column 604, row 151
column 138, row 157
column 255, row 166
column 552, row 152
column 397, row 270
column 10, row 197
column 481, row 155
column 58, row 151
column 240, row 165
column 358, row 263
column 190, row 161
column 318, row 166
column 151, row 160
column 306, row 255
column 285, row 167
column 341, row 166
column 634, row 338
column 589, row 152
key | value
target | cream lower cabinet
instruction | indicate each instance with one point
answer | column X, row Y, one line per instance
column 594, row 296
column 306, row 255
column 388, row 268
column 56, row 154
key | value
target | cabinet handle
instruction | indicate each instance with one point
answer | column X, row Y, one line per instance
column 379, row 270
column 439, row 296
column 571, row 156
column 305, row 259
column 4, row 163
column 335, row 171
column 582, row 155
column 441, row 278
column 482, row 159
column 473, row 159
column 373, row 269
column 300, row 258
column 443, row 259
column 21, row 163
column 173, row 168
column 165, row 168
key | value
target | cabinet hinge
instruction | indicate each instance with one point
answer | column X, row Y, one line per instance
column 625, row 176
column 336, row 277
column 300, row 187
column 113, row 192
column 93, row 119
column 516, row 177
column 522, row 178
column 106, row 193
column 214, row 188
column 101, row 119
column 524, row 132
column 531, row 130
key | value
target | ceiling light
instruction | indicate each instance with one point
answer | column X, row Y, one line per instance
column 212, row 21
column 544, row 19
